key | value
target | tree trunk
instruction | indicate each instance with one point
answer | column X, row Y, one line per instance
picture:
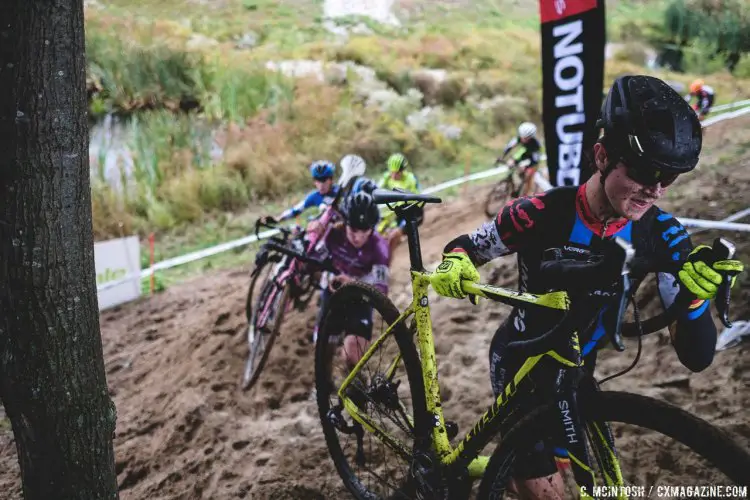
column 52, row 380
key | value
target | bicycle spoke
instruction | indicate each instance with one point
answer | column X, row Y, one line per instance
column 384, row 402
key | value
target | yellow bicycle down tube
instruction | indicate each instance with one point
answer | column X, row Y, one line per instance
column 420, row 282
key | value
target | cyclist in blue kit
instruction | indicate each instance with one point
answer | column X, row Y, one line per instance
column 651, row 136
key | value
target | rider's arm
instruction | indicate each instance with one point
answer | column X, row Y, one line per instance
column 511, row 144
column 515, row 227
column 693, row 333
column 311, row 200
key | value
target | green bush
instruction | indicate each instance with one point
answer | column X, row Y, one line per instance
column 697, row 59
column 232, row 94
column 742, row 70
column 125, row 77
column 721, row 27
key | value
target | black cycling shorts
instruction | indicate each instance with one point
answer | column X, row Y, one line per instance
column 539, row 460
column 356, row 319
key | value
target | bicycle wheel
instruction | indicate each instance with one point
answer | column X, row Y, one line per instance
column 657, row 444
column 498, row 197
column 388, row 390
column 265, row 313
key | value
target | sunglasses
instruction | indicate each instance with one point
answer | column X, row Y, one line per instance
column 649, row 177
column 646, row 176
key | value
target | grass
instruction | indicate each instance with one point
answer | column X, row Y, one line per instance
column 173, row 67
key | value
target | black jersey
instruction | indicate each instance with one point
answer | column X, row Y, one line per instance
column 561, row 218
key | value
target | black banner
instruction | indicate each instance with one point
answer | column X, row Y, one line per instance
column 573, row 37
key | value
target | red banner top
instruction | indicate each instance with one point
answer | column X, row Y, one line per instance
column 554, row 10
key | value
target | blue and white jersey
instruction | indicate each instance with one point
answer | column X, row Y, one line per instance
column 313, row 199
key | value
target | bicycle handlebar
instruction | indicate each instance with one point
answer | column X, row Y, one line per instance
column 574, row 271
column 324, row 265
column 285, row 232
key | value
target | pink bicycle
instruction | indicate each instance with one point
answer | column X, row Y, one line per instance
column 284, row 276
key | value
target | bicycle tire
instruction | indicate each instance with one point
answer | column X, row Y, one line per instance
column 257, row 273
column 339, row 300
column 251, row 373
column 708, row 441
column 498, row 197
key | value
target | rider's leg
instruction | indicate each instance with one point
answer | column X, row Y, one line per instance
column 358, row 333
column 543, row 488
column 354, row 348
column 356, row 342
column 535, row 474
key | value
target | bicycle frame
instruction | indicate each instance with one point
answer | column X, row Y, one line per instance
column 287, row 271
column 465, row 455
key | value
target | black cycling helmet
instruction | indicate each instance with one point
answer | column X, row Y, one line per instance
column 362, row 212
column 651, row 126
column 365, row 185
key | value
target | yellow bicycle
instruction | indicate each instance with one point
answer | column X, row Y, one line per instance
column 383, row 418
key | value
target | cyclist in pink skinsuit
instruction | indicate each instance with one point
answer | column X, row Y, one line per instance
column 358, row 253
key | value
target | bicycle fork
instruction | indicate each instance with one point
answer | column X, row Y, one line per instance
column 572, row 433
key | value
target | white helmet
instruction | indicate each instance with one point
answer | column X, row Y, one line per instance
column 351, row 166
column 526, row 130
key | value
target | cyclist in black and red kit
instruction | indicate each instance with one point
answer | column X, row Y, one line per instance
column 651, row 135
column 704, row 98
column 529, row 151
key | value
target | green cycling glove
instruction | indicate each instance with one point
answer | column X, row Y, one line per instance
column 702, row 277
column 446, row 280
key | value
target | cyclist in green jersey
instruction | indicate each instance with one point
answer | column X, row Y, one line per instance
column 398, row 177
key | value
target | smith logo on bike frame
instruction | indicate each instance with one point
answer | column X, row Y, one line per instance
column 573, row 37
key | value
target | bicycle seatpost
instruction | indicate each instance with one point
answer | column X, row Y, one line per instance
column 628, row 255
column 724, row 249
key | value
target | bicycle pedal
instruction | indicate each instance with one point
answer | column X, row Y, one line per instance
column 451, row 429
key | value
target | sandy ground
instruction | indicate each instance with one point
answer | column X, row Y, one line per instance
column 173, row 362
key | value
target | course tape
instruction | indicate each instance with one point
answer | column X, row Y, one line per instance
column 725, row 116
column 731, row 105
column 735, row 216
column 541, row 181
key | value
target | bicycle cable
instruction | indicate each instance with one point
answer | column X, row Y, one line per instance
column 637, row 318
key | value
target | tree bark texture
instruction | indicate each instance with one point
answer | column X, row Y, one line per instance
column 52, row 379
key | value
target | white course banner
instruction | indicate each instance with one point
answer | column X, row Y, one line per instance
column 115, row 261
